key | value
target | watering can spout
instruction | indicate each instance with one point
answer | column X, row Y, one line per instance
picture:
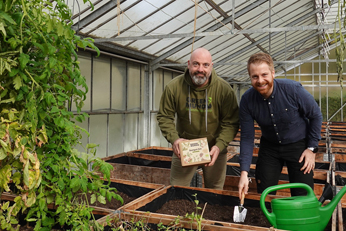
column 327, row 210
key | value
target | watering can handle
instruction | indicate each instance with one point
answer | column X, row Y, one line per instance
column 271, row 216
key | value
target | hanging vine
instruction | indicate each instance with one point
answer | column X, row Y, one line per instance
column 39, row 80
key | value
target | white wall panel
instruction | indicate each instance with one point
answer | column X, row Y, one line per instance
column 116, row 137
column 131, row 132
column 85, row 66
column 98, row 133
column 157, row 88
column 133, row 86
column 101, row 84
column 156, row 137
column 118, row 84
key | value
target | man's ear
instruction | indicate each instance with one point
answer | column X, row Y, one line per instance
column 273, row 73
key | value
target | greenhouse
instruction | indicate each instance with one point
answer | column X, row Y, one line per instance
column 88, row 103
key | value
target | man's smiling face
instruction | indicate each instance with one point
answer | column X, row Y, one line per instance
column 262, row 78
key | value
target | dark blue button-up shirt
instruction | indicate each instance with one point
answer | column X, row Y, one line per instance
column 290, row 114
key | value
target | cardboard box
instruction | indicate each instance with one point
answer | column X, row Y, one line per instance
column 194, row 152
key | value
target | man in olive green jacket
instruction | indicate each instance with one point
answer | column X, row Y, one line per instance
column 205, row 106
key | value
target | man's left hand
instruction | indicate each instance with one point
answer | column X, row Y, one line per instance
column 214, row 153
column 309, row 161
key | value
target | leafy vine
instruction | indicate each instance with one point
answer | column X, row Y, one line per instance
column 39, row 80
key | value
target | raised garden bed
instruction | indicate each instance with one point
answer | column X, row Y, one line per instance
column 158, row 208
column 143, row 167
column 167, row 204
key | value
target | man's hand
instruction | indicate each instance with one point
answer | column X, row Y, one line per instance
column 309, row 161
column 214, row 153
column 243, row 184
column 175, row 147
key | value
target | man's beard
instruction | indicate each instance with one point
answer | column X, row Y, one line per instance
column 199, row 80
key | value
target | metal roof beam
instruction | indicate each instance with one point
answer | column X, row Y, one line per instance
column 234, row 24
column 212, row 28
column 266, row 37
column 95, row 15
column 218, row 33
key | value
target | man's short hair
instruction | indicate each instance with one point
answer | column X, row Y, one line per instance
column 260, row 58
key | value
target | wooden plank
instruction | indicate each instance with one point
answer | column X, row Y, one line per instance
column 231, row 183
column 155, row 218
column 149, row 156
column 319, row 174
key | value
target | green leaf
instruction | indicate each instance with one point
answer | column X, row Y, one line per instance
column 75, row 182
column 2, row 29
column 62, row 218
column 61, row 184
column 84, row 183
column 52, row 62
column 17, row 82
column 16, row 178
column 26, row 174
column 101, row 199
column 60, row 28
column 23, row 60
column 3, row 144
column 7, row 17
column 54, row 110
column 92, row 199
column 42, row 204
column 3, row 154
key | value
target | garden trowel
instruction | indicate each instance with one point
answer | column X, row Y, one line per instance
column 239, row 213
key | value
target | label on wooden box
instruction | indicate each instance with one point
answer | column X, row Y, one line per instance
column 194, row 152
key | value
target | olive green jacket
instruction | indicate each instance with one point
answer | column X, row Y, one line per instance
column 219, row 123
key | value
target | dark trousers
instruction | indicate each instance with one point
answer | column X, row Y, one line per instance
column 271, row 159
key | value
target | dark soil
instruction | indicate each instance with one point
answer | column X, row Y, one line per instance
column 254, row 216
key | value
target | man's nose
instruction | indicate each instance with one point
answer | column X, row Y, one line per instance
column 200, row 68
column 260, row 79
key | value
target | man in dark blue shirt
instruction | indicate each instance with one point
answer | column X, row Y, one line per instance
column 290, row 121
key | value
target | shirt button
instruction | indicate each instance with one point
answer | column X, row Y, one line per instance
column 286, row 109
column 277, row 133
column 274, row 125
column 268, row 102
column 271, row 114
column 280, row 141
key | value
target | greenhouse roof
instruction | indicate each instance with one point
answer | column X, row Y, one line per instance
column 163, row 33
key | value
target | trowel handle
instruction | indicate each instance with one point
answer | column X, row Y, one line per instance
column 242, row 198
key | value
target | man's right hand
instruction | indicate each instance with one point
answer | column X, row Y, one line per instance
column 175, row 147
column 243, row 183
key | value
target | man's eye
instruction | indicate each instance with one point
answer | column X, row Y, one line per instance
column 206, row 65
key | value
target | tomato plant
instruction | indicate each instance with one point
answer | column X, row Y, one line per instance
column 39, row 81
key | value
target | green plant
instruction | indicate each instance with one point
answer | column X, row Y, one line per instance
column 40, row 79
column 194, row 216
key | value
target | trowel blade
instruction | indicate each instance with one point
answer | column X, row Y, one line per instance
column 239, row 214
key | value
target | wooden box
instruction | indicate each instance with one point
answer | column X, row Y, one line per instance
column 194, row 152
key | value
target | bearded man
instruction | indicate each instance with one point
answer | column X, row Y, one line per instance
column 205, row 106
column 290, row 121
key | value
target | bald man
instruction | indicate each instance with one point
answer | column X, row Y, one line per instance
column 205, row 106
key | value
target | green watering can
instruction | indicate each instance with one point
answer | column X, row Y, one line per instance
column 300, row 212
